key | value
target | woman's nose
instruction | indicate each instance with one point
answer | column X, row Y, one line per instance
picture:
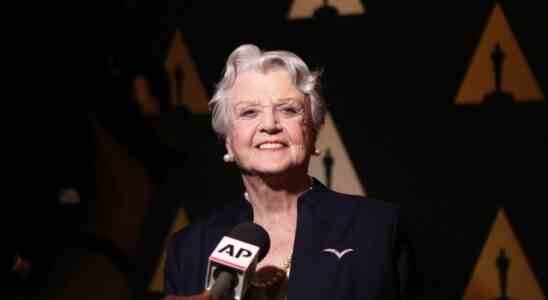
column 270, row 122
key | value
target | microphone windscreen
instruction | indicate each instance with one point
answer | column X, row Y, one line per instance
column 254, row 234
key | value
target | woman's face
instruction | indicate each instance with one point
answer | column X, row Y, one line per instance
column 270, row 128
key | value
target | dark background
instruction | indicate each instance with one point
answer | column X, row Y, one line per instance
column 390, row 79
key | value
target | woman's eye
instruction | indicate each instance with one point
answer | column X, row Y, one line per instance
column 291, row 110
column 248, row 113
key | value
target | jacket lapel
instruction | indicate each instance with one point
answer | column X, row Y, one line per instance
column 307, row 271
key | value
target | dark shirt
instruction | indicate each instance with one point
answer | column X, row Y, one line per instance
column 378, row 266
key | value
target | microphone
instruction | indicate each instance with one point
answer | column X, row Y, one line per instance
column 234, row 259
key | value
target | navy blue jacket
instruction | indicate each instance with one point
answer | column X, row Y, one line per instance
column 377, row 268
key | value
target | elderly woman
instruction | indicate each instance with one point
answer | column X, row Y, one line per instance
column 268, row 110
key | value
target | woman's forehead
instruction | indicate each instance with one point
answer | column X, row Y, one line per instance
column 258, row 87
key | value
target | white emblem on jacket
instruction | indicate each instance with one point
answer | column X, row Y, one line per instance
column 337, row 253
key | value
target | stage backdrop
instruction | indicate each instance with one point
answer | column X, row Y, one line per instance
column 438, row 107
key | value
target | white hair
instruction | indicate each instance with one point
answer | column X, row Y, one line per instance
column 250, row 57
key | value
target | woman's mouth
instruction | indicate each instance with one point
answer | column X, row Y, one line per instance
column 271, row 145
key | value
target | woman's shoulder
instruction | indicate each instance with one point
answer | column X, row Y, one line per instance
column 335, row 197
column 333, row 201
column 366, row 201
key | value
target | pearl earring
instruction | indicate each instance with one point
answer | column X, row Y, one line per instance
column 317, row 152
column 228, row 158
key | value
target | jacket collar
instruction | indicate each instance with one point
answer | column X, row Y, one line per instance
column 308, row 203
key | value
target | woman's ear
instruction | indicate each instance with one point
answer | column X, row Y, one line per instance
column 228, row 146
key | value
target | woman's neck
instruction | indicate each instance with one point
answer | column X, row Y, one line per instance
column 274, row 197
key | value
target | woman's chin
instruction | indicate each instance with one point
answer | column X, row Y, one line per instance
column 270, row 172
column 273, row 168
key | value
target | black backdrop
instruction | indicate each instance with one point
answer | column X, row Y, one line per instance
column 391, row 76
